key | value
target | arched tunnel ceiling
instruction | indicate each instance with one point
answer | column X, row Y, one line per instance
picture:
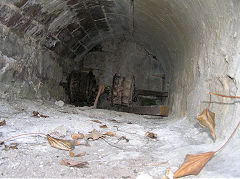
column 72, row 27
column 171, row 30
column 68, row 28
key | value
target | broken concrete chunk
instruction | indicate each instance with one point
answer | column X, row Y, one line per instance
column 59, row 103
column 60, row 131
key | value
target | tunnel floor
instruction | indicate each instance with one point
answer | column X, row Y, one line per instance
column 34, row 157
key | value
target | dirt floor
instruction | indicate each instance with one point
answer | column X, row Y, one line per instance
column 112, row 157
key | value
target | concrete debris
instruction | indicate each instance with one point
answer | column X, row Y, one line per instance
column 176, row 138
column 60, row 131
column 59, row 103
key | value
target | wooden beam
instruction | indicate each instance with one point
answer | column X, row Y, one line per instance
column 156, row 110
column 150, row 93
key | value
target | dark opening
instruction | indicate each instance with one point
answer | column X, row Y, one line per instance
column 130, row 75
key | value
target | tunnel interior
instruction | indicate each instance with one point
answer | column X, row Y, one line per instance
column 130, row 74
column 183, row 48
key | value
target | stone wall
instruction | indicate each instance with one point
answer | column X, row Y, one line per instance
column 27, row 70
column 68, row 28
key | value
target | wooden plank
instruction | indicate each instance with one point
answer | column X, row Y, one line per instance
column 151, row 93
column 156, row 110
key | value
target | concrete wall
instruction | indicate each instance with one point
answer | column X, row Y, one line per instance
column 200, row 42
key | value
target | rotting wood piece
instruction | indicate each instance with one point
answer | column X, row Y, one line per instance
column 117, row 89
column 150, row 93
column 122, row 90
column 128, row 90
column 156, row 110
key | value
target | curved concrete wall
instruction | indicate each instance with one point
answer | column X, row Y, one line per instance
column 197, row 41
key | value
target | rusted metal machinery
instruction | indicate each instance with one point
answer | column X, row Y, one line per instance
column 82, row 88
column 124, row 93
column 123, row 90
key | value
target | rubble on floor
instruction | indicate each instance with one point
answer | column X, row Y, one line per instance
column 125, row 151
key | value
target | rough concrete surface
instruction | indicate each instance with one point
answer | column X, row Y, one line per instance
column 141, row 155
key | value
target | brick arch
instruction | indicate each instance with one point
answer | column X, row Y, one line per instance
column 68, row 28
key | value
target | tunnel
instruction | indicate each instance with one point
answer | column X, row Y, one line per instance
column 185, row 48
